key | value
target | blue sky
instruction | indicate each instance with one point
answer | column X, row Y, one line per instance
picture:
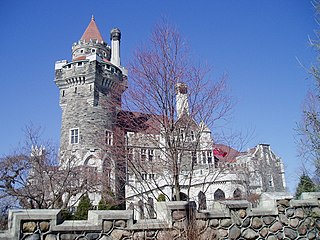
column 256, row 43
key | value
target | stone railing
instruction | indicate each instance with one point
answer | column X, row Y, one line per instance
column 279, row 218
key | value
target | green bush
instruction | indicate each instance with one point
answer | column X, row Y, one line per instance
column 83, row 208
column 161, row 198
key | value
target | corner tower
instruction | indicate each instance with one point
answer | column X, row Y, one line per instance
column 90, row 87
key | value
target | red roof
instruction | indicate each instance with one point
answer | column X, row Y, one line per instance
column 225, row 153
column 139, row 122
column 80, row 58
column 92, row 32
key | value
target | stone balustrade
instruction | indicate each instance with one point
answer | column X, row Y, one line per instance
column 279, row 218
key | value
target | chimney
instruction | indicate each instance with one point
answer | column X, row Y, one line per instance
column 182, row 99
column 115, row 36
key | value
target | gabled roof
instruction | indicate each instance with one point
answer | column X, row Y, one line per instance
column 92, row 32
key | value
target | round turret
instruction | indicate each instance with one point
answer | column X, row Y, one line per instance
column 90, row 43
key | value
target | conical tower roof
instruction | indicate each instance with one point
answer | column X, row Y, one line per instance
column 92, row 32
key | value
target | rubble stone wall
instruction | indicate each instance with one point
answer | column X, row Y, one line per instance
column 274, row 219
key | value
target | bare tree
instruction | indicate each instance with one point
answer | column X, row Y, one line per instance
column 309, row 127
column 32, row 176
column 177, row 102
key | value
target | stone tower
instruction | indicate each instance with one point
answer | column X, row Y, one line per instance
column 90, row 87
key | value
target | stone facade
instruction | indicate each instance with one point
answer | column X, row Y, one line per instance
column 90, row 87
column 286, row 219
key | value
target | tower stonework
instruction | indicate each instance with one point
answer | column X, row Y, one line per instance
column 90, row 87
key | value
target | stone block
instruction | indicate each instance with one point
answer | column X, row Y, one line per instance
column 283, row 219
column 35, row 236
column 92, row 236
column 68, row 236
column 290, row 233
column 120, row 224
column 50, row 237
column 264, row 232
column 299, row 213
column 118, row 234
column 213, row 222
column 237, row 204
column 107, row 226
column 178, row 215
column 276, row 227
column 29, row 227
column 294, row 222
column 289, row 212
column 249, row 234
column 44, row 226
column 225, row 223
column 310, row 195
column 304, row 203
column 268, row 219
column 234, row 232
column 256, row 223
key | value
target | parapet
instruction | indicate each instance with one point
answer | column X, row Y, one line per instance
column 287, row 219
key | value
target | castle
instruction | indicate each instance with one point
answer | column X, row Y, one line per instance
column 94, row 124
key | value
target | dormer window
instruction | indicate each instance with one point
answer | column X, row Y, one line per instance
column 93, row 50
column 81, row 51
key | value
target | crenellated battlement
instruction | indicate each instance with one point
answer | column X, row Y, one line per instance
column 74, row 73
column 83, row 48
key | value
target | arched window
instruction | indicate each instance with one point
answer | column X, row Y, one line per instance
column 202, row 200
column 237, row 194
column 219, row 195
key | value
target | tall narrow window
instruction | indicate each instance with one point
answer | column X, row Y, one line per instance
column 74, row 136
column 270, row 181
column 109, row 138
column 194, row 157
column 130, row 154
column 150, row 155
column 182, row 134
column 143, row 154
column 192, row 135
column 209, row 155
column 204, row 158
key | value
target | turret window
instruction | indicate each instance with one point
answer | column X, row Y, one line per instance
column 74, row 136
